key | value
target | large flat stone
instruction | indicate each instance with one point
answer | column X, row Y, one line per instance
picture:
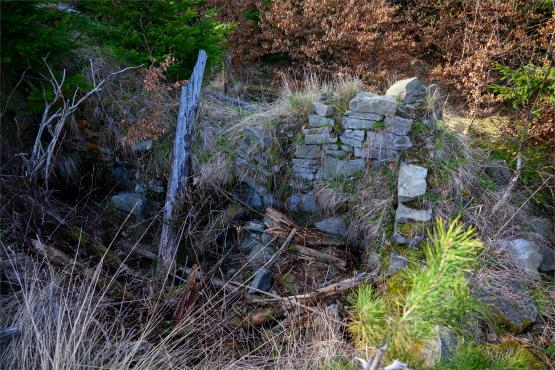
column 404, row 214
column 411, row 183
column 408, row 91
column 387, row 140
column 130, row 203
column 333, row 167
column 323, row 109
column 364, row 116
column 308, row 151
column 319, row 121
column 333, row 225
column 383, row 105
column 398, row 125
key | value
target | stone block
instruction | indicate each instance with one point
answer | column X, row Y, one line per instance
column 319, row 121
column 323, row 109
column 398, row 125
column 357, row 124
column 411, row 183
column 383, row 105
column 130, row 203
column 333, row 225
column 408, row 91
column 300, row 202
column 365, row 116
column 526, row 253
column 387, row 140
column 404, row 214
column 353, row 138
column 308, row 151
column 377, row 154
column 333, row 167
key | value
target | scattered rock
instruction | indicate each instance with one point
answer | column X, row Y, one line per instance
column 299, row 202
column 383, row 105
column 408, row 91
column 323, row 109
column 333, row 167
column 130, row 203
column 526, row 253
column 333, row 225
column 396, row 262
column 259, row 255
column 412, row 182
column 517, row 312
column 255, row 226
column 142, row 146
column 499, row 172
column 548, row 259
column 405, row 214
column 250, row 242
column 262, row 281
column 319, row 121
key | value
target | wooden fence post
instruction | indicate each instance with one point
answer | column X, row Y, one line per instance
column 188, row 105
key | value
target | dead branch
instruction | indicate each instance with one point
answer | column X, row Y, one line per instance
column 322, row 257
column 303, row 236
column 42, row 159
column 58, row 257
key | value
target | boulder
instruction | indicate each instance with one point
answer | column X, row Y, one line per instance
column 300, row 202
column 515, row 310
column 333, row 225
column 262, row 281
column 499, row 172
column 526, row 253
column 404, row 214
column 333, row 167
column 408, row 91
column 308, row 151
column 411, row 183
column 319, row 121
column 383, row 105
column 398, row 125
column 130, row 203
column 548, row 259
column 396, row 262
column 323, row 109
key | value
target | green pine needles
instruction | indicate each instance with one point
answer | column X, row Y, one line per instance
column 437, row 296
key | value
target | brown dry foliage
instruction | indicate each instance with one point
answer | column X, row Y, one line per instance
column 457, row 42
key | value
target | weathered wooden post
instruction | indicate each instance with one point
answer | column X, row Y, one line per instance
column 188, row 105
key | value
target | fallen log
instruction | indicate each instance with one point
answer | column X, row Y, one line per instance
column 235, row 101
column 58, row 257
column 304, row 236
column 322, row 257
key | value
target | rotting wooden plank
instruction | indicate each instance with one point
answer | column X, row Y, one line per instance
column 188, row 106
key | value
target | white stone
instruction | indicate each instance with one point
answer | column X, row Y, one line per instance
column 412, row 182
